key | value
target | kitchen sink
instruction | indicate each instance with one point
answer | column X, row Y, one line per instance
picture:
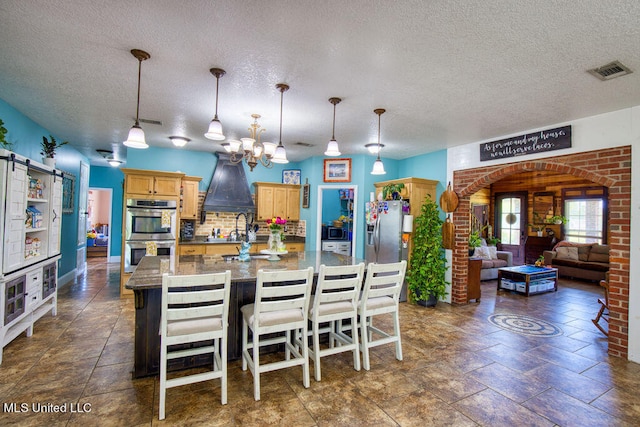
column 230, row 258
column 217, row 240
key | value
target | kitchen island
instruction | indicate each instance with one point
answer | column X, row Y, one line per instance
column 146, row 283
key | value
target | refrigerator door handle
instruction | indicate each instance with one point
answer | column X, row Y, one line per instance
column 376, row 237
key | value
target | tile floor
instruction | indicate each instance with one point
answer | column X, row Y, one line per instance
column 458, row 369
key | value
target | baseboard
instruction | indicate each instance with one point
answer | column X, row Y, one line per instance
column 67, row 278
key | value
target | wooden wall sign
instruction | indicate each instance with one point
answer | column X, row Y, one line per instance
column 538, row 142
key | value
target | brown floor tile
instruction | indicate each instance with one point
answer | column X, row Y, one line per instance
column 458, row 369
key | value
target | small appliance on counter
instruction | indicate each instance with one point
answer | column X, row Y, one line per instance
column 188, row 230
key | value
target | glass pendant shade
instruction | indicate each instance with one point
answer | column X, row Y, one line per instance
column 215, row 130
column 332, row 149
column 247, row 144
column 269, row 148
column 136, row 138
column 215, row 127
column 280, row 155
column 378, row 168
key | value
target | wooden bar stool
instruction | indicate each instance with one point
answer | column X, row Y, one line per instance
column 335, row 300
column 194, row 309
column 281, row 306
column 380, row 296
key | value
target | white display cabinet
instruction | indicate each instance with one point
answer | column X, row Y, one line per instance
column 30, row 229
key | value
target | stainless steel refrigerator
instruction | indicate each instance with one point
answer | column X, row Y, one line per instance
column 384, row 234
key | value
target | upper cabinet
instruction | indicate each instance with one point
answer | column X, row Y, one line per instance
column 273, row 200
column 189, row 197
column 32, row 212
column 415, row 190
column 150, row 184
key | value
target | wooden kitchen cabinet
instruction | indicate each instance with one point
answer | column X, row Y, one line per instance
column 189, row 197
column 146, row 183
column 193, row 249
column 273, row 200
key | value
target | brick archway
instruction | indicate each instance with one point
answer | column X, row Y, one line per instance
column 610, row 168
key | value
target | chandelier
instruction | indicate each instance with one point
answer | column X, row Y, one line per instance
column 251, row 149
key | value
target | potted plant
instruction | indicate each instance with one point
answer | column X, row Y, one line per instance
column 427, row 267
column 3, row 142
column 392, row 191
column 49, row 148
column 493, row 241
column 537, row 228
column 558, row 219
column 475, row 241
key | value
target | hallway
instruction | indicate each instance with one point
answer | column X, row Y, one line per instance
column 458, row 369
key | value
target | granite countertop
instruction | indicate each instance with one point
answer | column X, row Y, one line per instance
column 148, row 273
column 202, row 240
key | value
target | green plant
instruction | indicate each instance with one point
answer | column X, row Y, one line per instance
column 392, row 191
column 3, row 142
column 536, row 227
column 492, row 240
column 558, row 219
column 475, row 240
column 49, row 147
column 427, row 267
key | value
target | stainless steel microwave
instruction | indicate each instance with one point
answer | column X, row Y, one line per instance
column 336, row 233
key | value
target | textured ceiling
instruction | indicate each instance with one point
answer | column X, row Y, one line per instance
column 447, row 72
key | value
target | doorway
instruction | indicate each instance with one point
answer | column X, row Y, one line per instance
column 99, row 222
column 335, row 201
column 510, row 224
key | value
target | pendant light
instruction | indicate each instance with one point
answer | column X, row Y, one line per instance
column 332, row 147
column 136, row 134
column 280, row 156
column 378, row 167
column 215, row 127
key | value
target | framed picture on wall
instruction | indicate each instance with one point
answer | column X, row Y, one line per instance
column 291, row 176
column 337, row 170
column 306, row 189
column 68, row 184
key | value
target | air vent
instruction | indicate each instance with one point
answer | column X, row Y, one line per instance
column 151, row 122
column 610, row 71
column 303, row 144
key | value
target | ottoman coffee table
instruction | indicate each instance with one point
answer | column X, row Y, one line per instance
column 528, row 279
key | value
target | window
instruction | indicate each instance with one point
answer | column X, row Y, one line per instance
column 510, row 221
column 587, row 214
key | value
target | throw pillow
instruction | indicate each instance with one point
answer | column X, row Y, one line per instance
column 482, row 253
column 599, row 253
column 493, row 252
column 567, row 252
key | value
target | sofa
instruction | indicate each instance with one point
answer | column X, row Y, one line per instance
column 492, row 260
column 579, row 261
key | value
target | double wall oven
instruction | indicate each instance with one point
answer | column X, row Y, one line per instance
column 149, row 221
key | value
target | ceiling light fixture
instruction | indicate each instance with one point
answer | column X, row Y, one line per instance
column 215, row 127
column 280, row 155
column 179, row 141
column 373, row 147
column 378, row 167
column 136, row 134
column 332, row 147
column 110, row 158
column 251, row 149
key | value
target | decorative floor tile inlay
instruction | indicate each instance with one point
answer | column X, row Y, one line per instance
column 525, row 325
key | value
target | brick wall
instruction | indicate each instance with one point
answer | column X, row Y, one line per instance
column 609, row 167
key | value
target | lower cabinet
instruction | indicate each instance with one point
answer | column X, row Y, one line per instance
column 337, row 246
column 27, row 295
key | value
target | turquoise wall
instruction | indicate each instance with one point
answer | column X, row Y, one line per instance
column 26, row 135
column 113, row 178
